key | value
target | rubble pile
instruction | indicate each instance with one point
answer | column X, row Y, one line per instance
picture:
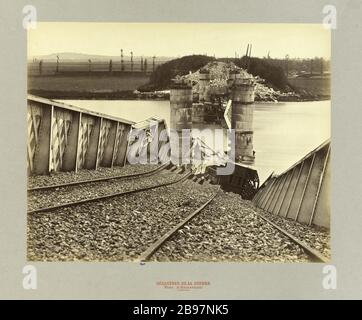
column 264, row 93
column 219, row 74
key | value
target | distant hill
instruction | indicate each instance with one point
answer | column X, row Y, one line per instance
column 93, row 57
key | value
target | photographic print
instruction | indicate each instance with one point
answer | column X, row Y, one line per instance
column 178, row 142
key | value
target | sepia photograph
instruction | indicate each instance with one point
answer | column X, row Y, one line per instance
column 179, row 142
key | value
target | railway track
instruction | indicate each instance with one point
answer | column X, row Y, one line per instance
column 115, row 177
column 114, row 229
column 185, row 174
column 313, row 255
column 146, row 255
column 149, row 252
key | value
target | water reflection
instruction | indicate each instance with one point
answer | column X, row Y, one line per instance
column 283, row 132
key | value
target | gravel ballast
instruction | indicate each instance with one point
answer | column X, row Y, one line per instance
column 62, row 195
column 56, row 178
column 122, row 228
column 229, row 230
column 116, row 229
column 316, row 237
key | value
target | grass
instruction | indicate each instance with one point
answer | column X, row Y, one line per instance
column 91, row 83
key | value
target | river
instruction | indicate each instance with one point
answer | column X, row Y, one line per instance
column 283, row 132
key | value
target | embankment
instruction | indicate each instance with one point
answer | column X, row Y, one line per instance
column 316, row 86
column 87, row 86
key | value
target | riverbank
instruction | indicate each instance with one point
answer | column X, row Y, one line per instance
column 136, row 86
column 156, row 95
column 87, row 86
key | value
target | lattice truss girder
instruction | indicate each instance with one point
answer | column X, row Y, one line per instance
column 103, row 139
column 85, row 131
column 121, row 129
column 34, row 116
column 60, row 123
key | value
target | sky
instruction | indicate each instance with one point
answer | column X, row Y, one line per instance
column 179, row 39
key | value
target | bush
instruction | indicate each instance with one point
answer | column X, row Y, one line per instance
column 161, row 78
column 274, row 75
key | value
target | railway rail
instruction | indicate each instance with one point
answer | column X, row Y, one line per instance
column 76, row 183
column 150, row 251
column 314, row 255
column 153, row 248
column 185, row 174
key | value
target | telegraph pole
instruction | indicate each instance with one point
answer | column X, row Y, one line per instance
column 145, row 66
column 57, row 69
column 110, row 65
column 40, row 66
column 131, row 60
column 122, row 65
column 249, row 56
column 322, row 70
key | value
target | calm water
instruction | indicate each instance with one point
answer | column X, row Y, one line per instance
column 283, row 132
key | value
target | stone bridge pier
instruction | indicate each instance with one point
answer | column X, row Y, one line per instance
column 242, row 95
column 181, row 118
